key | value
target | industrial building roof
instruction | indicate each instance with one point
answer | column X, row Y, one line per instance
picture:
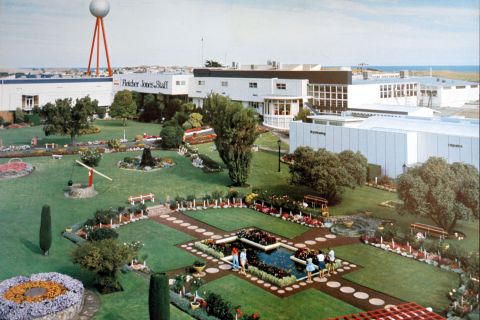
column 400, row 109
column 448, row 126
column 428, row 81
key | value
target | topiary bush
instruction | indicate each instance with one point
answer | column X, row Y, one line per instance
column 159, row 297
column 172, row 136
column 102, row 234
column 147, row 158
column 91, row 157
column 45, row 230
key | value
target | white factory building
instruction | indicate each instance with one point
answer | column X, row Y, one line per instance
column 156, row 83
column 394, row 143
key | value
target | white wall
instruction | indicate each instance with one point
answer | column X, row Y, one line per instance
column 359, row 94
column 454, row 97
column 156, row 83
column 49, row 90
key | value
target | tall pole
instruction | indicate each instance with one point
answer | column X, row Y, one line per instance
column 279, row 155
column 106, row 48
column 98, row 46
column 91, row 49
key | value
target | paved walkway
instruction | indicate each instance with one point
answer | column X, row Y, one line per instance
column 91, row 304
column 316, row 238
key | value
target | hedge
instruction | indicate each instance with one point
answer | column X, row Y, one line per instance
column 279, row 282
column 184, row 305
column 203, row 247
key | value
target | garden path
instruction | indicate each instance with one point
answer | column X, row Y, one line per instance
column 91, row 304
column 316, row 238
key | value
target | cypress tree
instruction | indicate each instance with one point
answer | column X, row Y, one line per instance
column 45, row 230
column 159, row 297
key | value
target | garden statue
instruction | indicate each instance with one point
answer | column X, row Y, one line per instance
column 147, row 159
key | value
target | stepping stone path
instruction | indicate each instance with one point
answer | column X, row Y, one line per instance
column 216, row 237
column 376, row 302
column 171, row 218
column 164, row 216
column 295, row 286
column 288, row 289
column 300, row 245
column 339, row 270
column 200, row 230
column 273, row 288
column 361, row 295
column 177, row 221
column 254, row 278
column 320, row 239
column 333, row 284
column 390, row 306
column 266, row 285
column 281, row 291
column 191, row 244
column 194, row 250
column 310, row 242
column 225, row 267
column 188, row 248
column 330, row 236
column 303, row 284
column 185, row 224
column 183, row 246
column 260, row 281
column 353, row 266
column 345, row 263
column 346, row 268
column 208, row 233
column 212, row 270
column 347, row 290
column 192, row 227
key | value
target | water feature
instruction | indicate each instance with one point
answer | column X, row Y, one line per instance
column 280, row 258
column 354, row 226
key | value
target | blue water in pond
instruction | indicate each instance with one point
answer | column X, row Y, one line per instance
column 281, row 258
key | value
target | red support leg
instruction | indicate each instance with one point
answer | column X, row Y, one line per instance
column 98, row 45
column 91, row 49
column 90, row 177
column 106, row 48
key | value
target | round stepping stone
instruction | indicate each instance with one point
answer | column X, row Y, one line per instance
column 273, row 288
column 225, row 267
column 346, row 268
column 212, row 270
column 288, row 289
column 200, row 230
column 204, row 255
column 171, row 218
column 248, row 275
column 330, row 236
column 260, row 281
column 177, row 221
column 226, row 235
column 171, row 282
column 164, row 216
column 339, row 270
column 194, row 250
column 208, row 233
column 209, row 258
column 221, row 262
column 300, row 245
column 266, row 285
column 215, row 260
column 191, row 244
column 345, row 263
column 353, row 266
column 185, row 224
column 303, row 284
column 281, row 291
column 320, row 239
column 376, row 302
column 192, row 227
column 295, row 286
column 284, row 241
column 233, row 234
column 278, row 239
column 361, row 295
column 290, row 243
column 335, row 272
column 333, row 284
column 183, row 246
column 310, row 242
column 254, row 278
column 390, row 306
column 347, row 290
column 216, row 237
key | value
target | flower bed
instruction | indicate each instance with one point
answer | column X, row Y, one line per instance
column 297, row 218
column 61, row 297
column 304, row 254
column 257, row 236
column 15, row 169
column 210, row 247
column 279, row 281
column 200, row 138
column 133, row 163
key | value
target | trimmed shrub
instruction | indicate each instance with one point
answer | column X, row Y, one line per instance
column 218, row 307
column 279, row 282
column 159, row 297
column 373, row 170
column 102, row 234
column 172, row 136
column 45, row 230
column 204, row 248
column 91, row 157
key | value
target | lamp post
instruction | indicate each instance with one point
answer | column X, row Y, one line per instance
column 279, row 144
column 404, row 168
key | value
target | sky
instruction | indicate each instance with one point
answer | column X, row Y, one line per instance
column 58, row 33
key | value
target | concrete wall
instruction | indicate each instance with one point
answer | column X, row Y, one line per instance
column 156, row 83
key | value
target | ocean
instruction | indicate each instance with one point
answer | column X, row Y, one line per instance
column 472, row 68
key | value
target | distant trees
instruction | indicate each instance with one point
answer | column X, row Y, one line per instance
column 45, row 234
column 445, row 193
column 64, row 119
column 123, row 106
column 236, row 129
column 328, row 173
column 212, row 64
column 159, row 297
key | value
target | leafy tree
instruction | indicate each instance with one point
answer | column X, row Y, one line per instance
column 322, row 171
column 236, row 129
column 104, row 258
column 123, row 106
column 63, row 119
column 172, row 136
column 91, row 157
column 194, row 121
column 159, row 297
column 171, row 108
column 19, row 115
column 443, row 192
column 151, row 112
column 212, row 64
column 45, row 230
column 188, row 107
column 356, row 165
column 302, row 115
column 102, row 234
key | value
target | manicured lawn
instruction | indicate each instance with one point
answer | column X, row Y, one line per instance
column 398, row 276
column 308, row 304
column 109, row 129
column 132, row 303
column 269, row 140
column 236, row 218
column 159, row 243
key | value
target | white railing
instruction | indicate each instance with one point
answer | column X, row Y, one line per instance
column 277, row 122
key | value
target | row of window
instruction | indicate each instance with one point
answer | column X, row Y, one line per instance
column 180, row 82
column 328, row 98
column 398, row 90
column 280, row 86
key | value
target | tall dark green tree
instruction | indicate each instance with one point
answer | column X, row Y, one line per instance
column 159, row 297
column 64, row 119
column 355, row 164
column 322, row 171
column 442, row 192
column 45, row 234
column 236, row 129
column 123, row 106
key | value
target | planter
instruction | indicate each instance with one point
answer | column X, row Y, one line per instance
column 195, row 305
column 199, row 269
column 348, row 223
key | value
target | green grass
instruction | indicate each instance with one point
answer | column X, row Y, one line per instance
column 159, row 244
column 235, row 218
column 132, row 303
column 308, row 304
column 398, row 276
column 269, row 140
column 109, row 129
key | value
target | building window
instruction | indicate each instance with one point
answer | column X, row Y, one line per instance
column 201, row 82
column 224, row 83
column 460, row 87
column 328, row 98
column 252, row 85
column 29, row 102
column 281, row 86
column 180, row 83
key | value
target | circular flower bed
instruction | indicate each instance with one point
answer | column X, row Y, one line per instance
column 14, row 169
column 40, row 295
